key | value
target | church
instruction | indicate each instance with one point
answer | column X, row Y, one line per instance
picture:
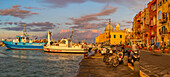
column 111, row 36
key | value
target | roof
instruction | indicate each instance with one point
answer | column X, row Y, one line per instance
column 109, row 27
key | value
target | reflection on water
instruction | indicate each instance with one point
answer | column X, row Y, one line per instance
column 38, row 63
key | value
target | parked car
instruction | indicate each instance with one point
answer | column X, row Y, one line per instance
column 103, row 49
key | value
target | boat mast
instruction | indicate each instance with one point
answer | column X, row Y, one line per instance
column 49, row 37
column 24, row 29
column 72, row 34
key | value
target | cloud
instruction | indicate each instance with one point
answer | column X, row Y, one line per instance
column 92, row 17
column 64, row 31
column 77, row 35
column 16, row 6
column 18, row 28
column 125, row 25
column 58, row 24
column 93, row 25
column 126, row 3
column 96, row 31
column 28, row 7
column 68, row 23
column 61, row 3
column 15, row 11
column 34, row 27
column 128, row 22
column 36, row 8
column 83, row 21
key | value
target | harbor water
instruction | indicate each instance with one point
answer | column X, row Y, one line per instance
column 32, row 63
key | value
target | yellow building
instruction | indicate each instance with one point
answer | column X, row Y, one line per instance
column 116, row 36
column 163, row 17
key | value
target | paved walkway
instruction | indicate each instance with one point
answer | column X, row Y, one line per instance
column 95, row 67
column 154, row 66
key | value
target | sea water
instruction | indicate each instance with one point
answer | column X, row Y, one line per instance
column 37, row 63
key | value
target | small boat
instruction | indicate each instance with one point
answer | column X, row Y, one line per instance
column 23, row 43
column 63, row 45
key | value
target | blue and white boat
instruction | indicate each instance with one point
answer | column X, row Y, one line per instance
column 23, row 43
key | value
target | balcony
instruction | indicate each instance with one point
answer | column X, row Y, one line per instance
column 168, row 27
column 163, row 20
column 152, row 24
column 147, row 21
column 138, row 20
column 141, row 22
column 146, row 29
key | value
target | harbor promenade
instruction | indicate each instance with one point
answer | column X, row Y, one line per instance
column 95, row 67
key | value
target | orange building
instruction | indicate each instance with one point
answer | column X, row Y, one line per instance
column 152, row 6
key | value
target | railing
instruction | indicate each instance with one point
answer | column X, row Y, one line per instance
column 138, row 20
column 169, row 27
column 146, row 29
column 152, row 24
column 163, row 20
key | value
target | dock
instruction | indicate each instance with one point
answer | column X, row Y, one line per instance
column 95, row 67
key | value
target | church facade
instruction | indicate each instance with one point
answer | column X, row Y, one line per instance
column 111, row 36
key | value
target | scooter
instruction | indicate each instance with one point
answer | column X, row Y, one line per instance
column 120, row 56
column 106, row 58
column 134, row 56
column 112, row 59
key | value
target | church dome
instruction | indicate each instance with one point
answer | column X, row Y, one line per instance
column 109, row 27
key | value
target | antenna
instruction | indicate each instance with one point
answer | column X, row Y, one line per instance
column 24, row 29
column 72, row 34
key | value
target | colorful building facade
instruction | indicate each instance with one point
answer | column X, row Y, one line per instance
column 163, row 18
column 152, row 24
column 111, row 36
column 152, row 6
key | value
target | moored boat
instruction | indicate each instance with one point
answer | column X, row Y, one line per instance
column 64, row 45
column 23, row 43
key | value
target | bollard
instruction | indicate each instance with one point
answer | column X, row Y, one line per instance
column 125, row 60
column 136, row 69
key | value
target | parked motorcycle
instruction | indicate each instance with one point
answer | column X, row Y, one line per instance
column 106, row 58
column 120, row 56
column 113, row 59
column 134, row 56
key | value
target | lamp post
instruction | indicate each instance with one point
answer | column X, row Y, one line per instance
column 109, row 31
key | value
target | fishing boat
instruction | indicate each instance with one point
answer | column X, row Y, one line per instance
column 63, row 45
column 23, row 42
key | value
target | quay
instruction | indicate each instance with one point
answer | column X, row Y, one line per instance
column 95, row 67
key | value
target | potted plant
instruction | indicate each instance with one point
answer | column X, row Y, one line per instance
column 140, row 47
column 150, row 48
column 166, row 50
column 145, row 48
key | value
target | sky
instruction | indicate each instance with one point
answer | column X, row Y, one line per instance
column 88, row 18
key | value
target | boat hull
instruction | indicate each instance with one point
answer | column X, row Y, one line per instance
column 23, row 46
column 66, row 50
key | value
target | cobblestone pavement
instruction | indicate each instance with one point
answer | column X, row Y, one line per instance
column 95, row 67
column 154, row 66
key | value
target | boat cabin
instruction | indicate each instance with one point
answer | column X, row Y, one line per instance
column 22, row 39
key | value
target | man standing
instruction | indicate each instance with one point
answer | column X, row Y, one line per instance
column 134, row 46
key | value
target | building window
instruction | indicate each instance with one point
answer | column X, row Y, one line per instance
column 154, row 20
column 120, row 36
column 160, row 3
column 159, row 15
column 155, row 6
column 169, row 13
column 114, row 36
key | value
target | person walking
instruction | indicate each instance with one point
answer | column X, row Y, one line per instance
column 134, row 47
